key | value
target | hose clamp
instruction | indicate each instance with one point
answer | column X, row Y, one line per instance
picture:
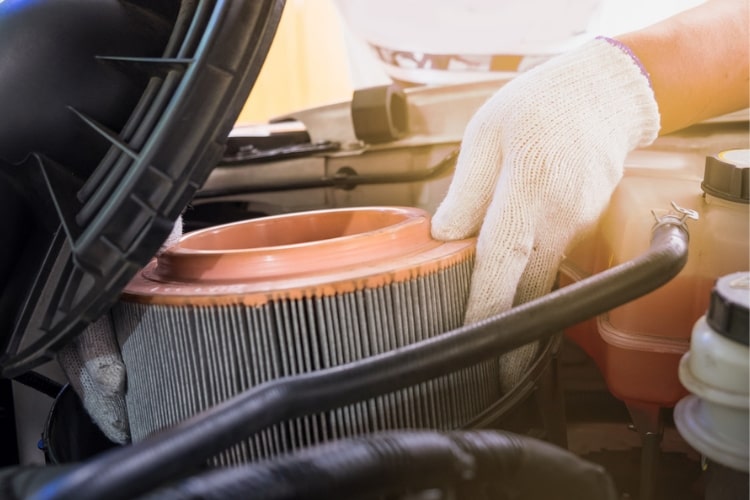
column 679, row 217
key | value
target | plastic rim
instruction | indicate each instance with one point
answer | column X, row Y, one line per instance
column 706, row 391
column 316, row 253
column 732, row 454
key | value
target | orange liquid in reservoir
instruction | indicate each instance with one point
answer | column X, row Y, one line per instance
column 638, row 345
column 668, row 312
column 718, row 245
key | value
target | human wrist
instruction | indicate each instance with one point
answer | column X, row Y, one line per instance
column 626, row 89
column 602, row 89
column 627, row 50
column 697, row 60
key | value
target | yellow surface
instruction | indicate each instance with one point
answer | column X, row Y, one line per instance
column 306, row 65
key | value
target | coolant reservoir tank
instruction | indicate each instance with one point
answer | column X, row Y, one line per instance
column 638, row 346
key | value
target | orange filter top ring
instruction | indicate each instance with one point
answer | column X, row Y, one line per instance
column 305, row 254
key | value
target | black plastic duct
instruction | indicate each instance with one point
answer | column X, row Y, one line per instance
column 139, row 468
column 114, row 113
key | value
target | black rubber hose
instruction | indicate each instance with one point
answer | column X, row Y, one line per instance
column 17, row 483
column 392, row 463
column 126, row 472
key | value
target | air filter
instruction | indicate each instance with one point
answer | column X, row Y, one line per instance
column 234, row 306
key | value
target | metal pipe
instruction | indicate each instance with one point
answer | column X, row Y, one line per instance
column 344, row 178
column 126, row 472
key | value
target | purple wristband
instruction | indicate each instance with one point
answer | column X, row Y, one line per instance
column 626, row 50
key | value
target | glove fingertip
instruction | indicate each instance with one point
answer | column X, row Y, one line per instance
column 174, row 236
column 447, row 226
column 107, row 374
column 110, row 415
column 443, row 233
column 118, row 432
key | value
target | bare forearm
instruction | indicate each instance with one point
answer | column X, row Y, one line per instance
column 698, row 62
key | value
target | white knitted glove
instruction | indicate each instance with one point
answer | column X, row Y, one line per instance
column 95, row 370
column 538, row 164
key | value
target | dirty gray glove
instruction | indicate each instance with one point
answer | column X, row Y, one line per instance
column 95, row 370
column 538, row 164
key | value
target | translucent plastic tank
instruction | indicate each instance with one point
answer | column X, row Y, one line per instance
column 638, row 345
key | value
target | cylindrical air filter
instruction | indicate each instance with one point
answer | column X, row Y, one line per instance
column 234, row 306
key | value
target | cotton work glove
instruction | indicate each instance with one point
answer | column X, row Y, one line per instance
column 538, row 164
column 94, row 367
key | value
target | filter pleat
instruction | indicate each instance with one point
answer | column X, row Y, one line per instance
column 369, row 412
column 212, row 345
column 305, row 357
column 332, row 332
column 304, row 425
column 204, row 356
column 394, row 340
column 269, row 347
column 243, row 351
column 262, row 366
column 182, row 348
column 358, row 337
column 169, row 358
column 408, row 314
column 314, row 348
column 183, row 375
column 380, row 419
column 231, row 346
column 439, row 417
column 280, row 339
column 342, row 313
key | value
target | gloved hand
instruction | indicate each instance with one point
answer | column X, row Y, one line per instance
column 95, row 370
column 538, row 164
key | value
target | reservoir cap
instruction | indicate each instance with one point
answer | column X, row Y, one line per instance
column 727, row 175
column 728, row 310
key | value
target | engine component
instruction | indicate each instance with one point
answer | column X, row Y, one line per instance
column 716, row 370
column 102, row 175
column 168, row 455
column 234, row 306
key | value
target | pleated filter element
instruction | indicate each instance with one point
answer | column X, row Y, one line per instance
column 231, row 307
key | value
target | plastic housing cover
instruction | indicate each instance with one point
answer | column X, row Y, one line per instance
column 99, row 231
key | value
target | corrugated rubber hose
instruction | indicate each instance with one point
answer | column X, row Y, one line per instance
column 469, row 465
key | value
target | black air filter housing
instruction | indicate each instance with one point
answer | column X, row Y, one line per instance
column 114, row 113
